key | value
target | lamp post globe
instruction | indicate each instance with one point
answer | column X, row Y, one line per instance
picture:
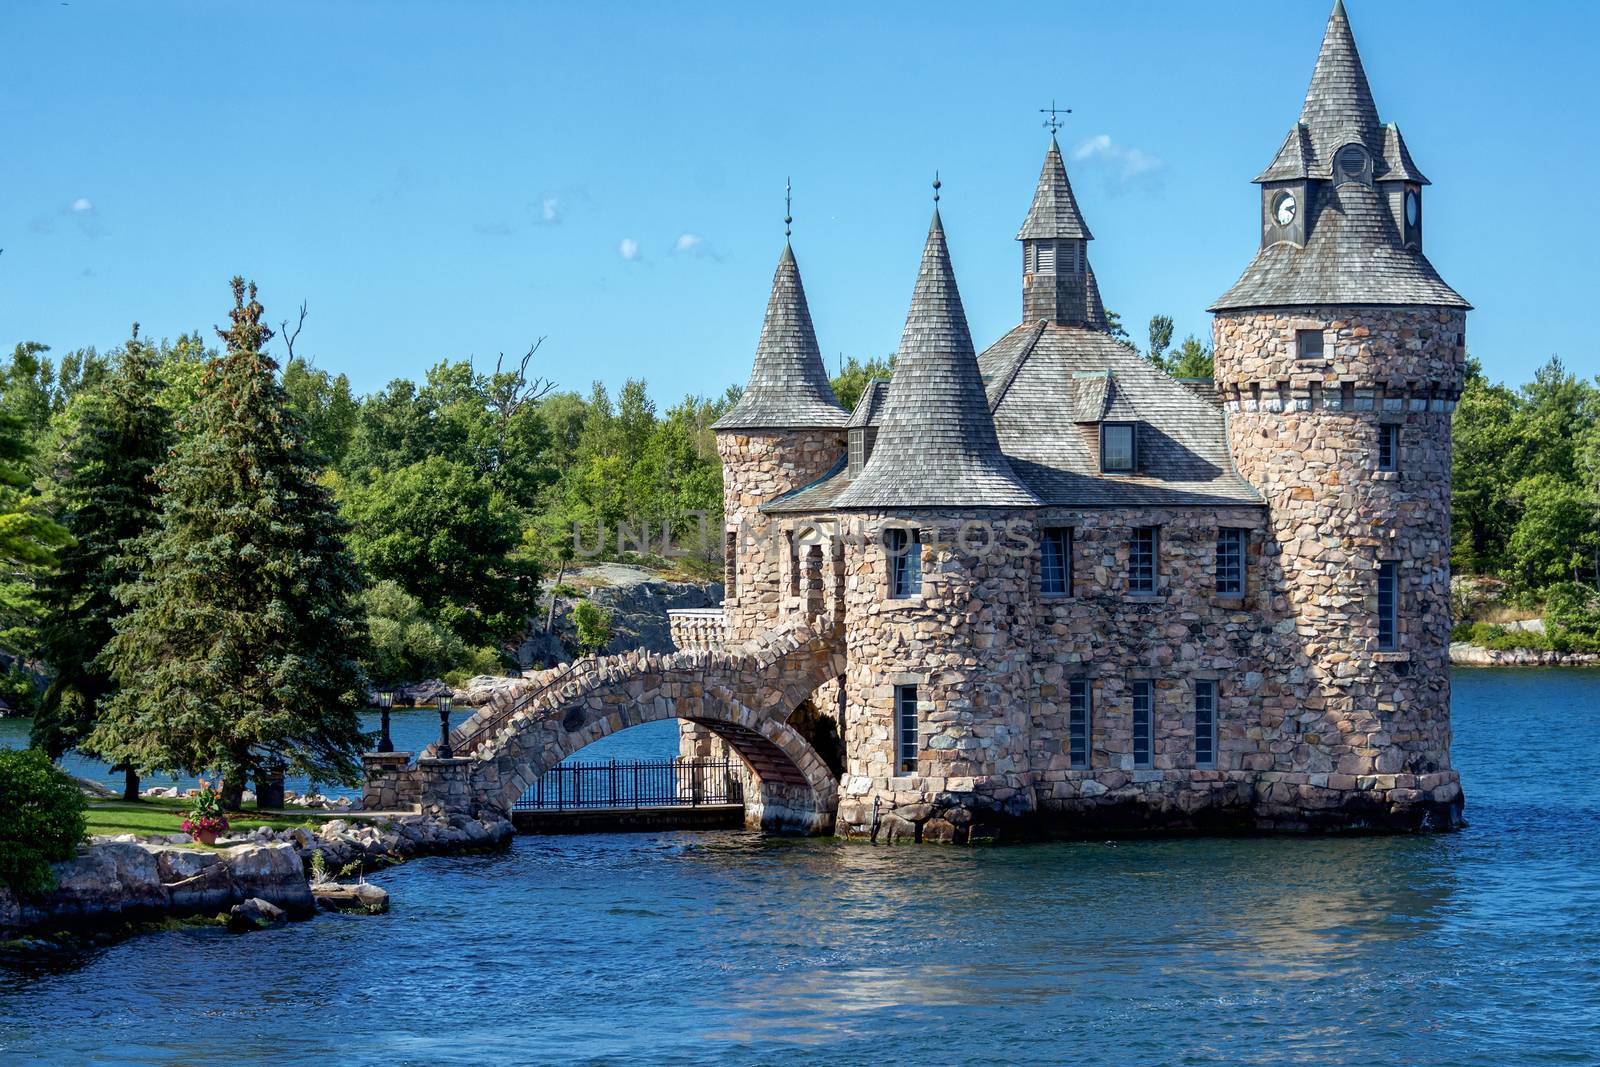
column 445, row 751
column 385, row 699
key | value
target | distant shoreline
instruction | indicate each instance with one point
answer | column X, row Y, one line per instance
column 1463, row 654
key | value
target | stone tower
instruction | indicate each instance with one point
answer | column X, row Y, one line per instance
column 1339, row 357
column 786, row 431
column 932, row 720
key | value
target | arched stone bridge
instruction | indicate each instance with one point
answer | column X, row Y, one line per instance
column 745, row 695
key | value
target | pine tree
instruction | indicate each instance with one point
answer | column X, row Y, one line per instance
column 29, row 539
column 104, row 494
column 242, row 645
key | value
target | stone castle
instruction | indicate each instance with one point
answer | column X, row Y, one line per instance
column 1067, row 591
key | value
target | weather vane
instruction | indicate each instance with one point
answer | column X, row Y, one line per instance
column 788, row 212
column 1052, row 123
column 935, row 187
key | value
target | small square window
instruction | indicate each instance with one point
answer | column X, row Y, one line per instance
column 1308, row 344
column 1389, row 446
column 1118, row 447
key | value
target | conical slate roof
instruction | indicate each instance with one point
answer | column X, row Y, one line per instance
column 1339, row 101
column 1353, row 256
column 788, row 387
column 936, row 444
column 1055, row 210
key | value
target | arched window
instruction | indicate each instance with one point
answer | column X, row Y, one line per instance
column 1352, row 163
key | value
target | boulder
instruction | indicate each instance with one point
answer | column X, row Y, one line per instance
column 103, row 883
column 272, row 872
column 254, row 914
column 360, row 897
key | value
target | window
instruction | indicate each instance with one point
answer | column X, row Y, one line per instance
column 1055, row 563
column 730, row 564
column 1044, row 258
column 1389, row 446
column 1308, row 344
column 857, row 450
column 905, row 720
column 1141, row 724
column 1079, row 708
column 1118, row 447
column 1352, row 164
column 1142, row 560
column 1230, row 561
column 905, row 562
column 1388, row 605
column 794, row 563
column 1205, row 723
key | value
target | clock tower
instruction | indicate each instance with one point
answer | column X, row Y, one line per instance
column 1339, row 357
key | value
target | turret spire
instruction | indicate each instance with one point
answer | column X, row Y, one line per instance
column 936, row 445
column 788, row 386
column 1338, row 105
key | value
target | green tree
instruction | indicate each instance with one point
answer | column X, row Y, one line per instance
column 104, row 492
column 1555, row 537
column 407, row 646
column 1490, row 454
column 44, row 822
column 1192, row 359
column 29, row 539
column 243, row 642
column 1160, row 338
column 325, row 406
column 854, row 377
column 447, row 537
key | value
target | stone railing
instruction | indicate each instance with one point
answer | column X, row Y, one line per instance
column 702, row 628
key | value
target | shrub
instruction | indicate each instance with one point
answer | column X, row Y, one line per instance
column 1573, row 608
column 475, row 661
column 43, row 819
column 594, row 625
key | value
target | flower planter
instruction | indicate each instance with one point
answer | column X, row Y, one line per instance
column 205, row 837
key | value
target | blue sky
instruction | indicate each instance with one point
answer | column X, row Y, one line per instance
column 446, row 181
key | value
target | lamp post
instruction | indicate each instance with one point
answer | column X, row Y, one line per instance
column 445, row 751
column 385, row 702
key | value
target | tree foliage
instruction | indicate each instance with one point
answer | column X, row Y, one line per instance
column 242, row 644
column 45, row 819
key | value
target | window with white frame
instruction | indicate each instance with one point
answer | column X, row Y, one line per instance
column 905, row 734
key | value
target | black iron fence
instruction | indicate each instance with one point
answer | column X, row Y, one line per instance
column 641, row 784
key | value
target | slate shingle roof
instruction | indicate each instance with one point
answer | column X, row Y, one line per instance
column 1353, row 256
column 869, row 408
column 788, row 387
column 1054, row 213
column 1353, row 252
column 936, row 443
column 1182, row 438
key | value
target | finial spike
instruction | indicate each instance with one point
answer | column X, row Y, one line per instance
column 1052, row 123
column 936, row 184
column 788, row 207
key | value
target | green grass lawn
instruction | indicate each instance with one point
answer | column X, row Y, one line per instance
column 160, row 815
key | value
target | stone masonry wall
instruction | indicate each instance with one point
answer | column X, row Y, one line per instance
column 1370, row 725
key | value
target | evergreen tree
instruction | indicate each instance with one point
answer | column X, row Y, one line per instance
column 242, row 645
column 104, row 493
column 29, row 540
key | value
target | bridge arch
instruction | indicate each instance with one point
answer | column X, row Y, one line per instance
column 744, row 696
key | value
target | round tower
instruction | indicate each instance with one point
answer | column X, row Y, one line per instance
column 786, row 431
column 1339, row 356
column 938, row 596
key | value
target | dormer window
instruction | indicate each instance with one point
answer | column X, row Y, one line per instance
column 1119, row 448
column 1352, row 163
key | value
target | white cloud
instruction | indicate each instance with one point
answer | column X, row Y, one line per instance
column 550, row 209
column 688, row 242
column 628, row 249
column 1124, row 164
column 82, row 204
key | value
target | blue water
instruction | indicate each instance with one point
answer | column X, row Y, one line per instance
column 1473, row 948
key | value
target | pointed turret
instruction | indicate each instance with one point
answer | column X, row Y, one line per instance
column 1057, row 284
column 1339, row 106
column 1054, row 213
column 936, row 445
column 788, row 387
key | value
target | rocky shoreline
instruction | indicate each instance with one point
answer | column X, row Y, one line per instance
column 262, row 877
column 1466, row 655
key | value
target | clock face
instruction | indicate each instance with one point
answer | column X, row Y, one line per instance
column 1412, row 208
column 1283, row 208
